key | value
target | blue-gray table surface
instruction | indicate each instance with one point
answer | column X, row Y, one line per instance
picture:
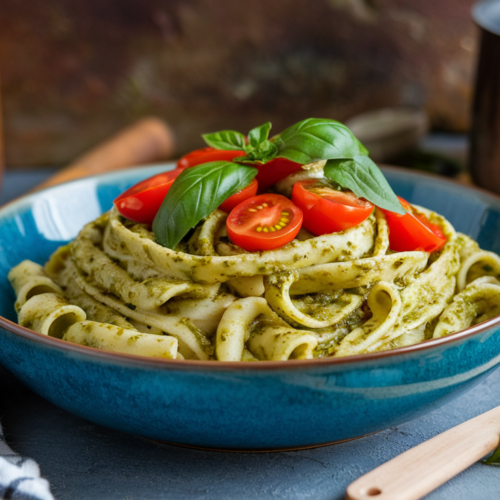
column 85, row 461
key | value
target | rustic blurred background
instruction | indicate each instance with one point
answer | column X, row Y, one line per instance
column 74, row 71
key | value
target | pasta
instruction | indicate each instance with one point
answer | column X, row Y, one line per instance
column 115, row 288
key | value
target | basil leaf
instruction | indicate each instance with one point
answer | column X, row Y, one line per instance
column 258, row 135
column 226, row 139
column 267, row 151
column 494, row 459
column 263, row 153
column 365, row 180
column 318, row 139
column 195, row 194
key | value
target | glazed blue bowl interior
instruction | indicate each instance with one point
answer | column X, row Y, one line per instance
column 266, row 405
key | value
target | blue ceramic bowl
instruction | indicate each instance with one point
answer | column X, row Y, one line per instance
column 265, row 405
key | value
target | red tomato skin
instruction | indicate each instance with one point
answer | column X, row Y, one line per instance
column 275, row 170
column 240, row 196
column 141, row 202
column 325, row 216
column 242, row 223
column 410, row 232
column 206, row 155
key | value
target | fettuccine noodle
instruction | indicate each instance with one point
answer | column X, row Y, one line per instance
column 340, row 294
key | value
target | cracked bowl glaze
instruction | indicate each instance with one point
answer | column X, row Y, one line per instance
column 239, row 406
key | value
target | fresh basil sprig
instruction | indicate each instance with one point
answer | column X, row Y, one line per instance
column 318, row 139
column 259, row 149
column 258, row 135
column 365, row 180
column 305, row 142
column 195, row 194
column 227, row 139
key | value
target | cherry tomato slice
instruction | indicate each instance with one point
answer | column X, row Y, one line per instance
column 264, row 222
column 206, row 155
column 141, row 202
column 327, row 210
column 275, row 170
column 412, row 231
column 237, row 198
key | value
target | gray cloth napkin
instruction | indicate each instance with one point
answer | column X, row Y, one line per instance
column 20, row 477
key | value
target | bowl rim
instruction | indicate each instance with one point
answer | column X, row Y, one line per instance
column 213, row 365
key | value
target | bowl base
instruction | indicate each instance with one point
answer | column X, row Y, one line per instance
column 260, row 450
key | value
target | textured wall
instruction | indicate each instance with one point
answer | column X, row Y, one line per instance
column 75, row 70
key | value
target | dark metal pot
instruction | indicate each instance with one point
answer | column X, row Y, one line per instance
column 484, row 156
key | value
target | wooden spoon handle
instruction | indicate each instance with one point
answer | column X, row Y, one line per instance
column 423, row 468
column 146, row 141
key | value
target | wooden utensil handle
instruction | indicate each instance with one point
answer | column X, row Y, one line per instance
column 147, row 141
column 420, row 470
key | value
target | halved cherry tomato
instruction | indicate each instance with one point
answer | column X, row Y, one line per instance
column 275, row 170
column 327, row 210
column 141, row 202
column 237, row 198
column 412, row 231
column 264, row 222
column 206, row 155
